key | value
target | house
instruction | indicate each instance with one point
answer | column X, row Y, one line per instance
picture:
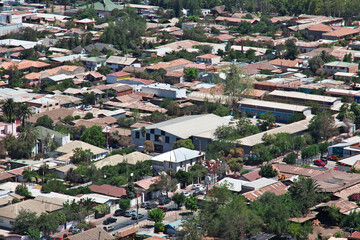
column 324, row 102
column 173, row 65
column 7, row 128
column 93, row 63
column 94, row 77
column 240, row 186
column 208, row 59
column 219, row 10
column 99, row 153
column 348, row 163
column 164, row 90
column 117, row 76
column 46, row 136
column 199, row 128
column 281, row 111
column 285, row 64
column 93, row 233
column 117, row 63
column 334, row 181
column 336, row 66
column 277, row 188
column 144, row 186
column 233, row 21
column 108, row 190
column 354, row 236
column 177, row 159
column 62, row 171
column 43, row 104
column 56, row 115
column 341, row 33
column 316, row 31
column 131, row 158
column 173, row 227
column 9, row 213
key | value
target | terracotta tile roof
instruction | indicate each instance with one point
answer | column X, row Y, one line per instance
column 127, row 232
column 177, row 74
column 51, row 72
column 355, row 235
column 6, row 175
column 254, row 68
column 224, row 37
column 296, row 170
column 234, row 20
column 145, row 183
column 108, row 190
column 207, row 56
column 25, row 64
column 144, row 94
column 278, row 188
column 119, row 74
column 55, row 114
column 94, row 233
column 345, row 31
column 251, row 176
column 284, row 62
column 319, row 28
column 165, row 65
column 156, row 238
column 95, row 74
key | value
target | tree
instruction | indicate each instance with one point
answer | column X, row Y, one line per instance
column 149, row 146
column 68, row 119
column 14, row 76
column 89, row 115
column 268, row 171
column 190, row 229
column 89, row 98
column 104, row 70
column 323, row 148
column 183, row 177
column 94, row 136
column 156, row 215
column 73, row 176
column 266, row 121
column 131, row 191
column 34, row 234
column 306, row 192
column 291, row 49
column 237, row 84
column 9, row 109
column 22, row 190
column 290, row 158
column 191, row 204
column 124, row 204
column 81, row 156
column 165, row 183
column 191, row 74
column 48, row 223
column 44, row 121
column 322, row 126
column 179, row 198
column 235, row 165
column 24, row 221
column 315, row 64
column 23, row 112
column 186, row 143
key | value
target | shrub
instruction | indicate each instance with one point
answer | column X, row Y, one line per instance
column 354, row 197
column 77, row 117
column 290, row 158
column 159, row 227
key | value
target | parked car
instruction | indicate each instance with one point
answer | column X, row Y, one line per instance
column 319, row 162
column 109, row 220
column 75, row 230
column 187, row 194
column 333, row 158
column 139, row 216
column 197, row 192
column 164, row 200
column 66, row 235
column 108, row 228
column 119, row 212
column 151, row 206
column 195, row 186
column 87, row 108
column 129, row 212
column 163, row 208
column 143, row 204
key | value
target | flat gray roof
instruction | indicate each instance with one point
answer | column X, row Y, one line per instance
column 305, row 96
column 274, row 105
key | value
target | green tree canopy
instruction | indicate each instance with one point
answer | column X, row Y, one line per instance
column 94, row 136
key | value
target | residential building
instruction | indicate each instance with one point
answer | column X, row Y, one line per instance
column 93, row 63
column 316, row 31
column 346, row 148
column 208, row 59
column 108, row 190
column 281, row 111
column 341, row 33
column 117, row 63
column 285, row 64
column 324, row 102
column 46, row 136
column 199, row 128
column 131, row 158
column 8, row 128
column 348, row 163
column 177, row 159
column 62, row 171
column 117, row 76
column 43, row 104
column 334, row 67
column 164, row 90
column 69, row 148
column 93, row 233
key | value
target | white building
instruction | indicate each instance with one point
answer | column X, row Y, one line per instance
column 178, row 159
column 164, row 90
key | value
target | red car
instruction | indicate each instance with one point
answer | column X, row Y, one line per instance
column 320, row 163
column 163, row 208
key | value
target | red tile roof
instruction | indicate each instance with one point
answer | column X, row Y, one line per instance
column 355, row 235
column 208, row 56
column 319, row 27
column 108, row 190
column 342, row 32
column 252, row 176
column 145, row 183
column 119, row 74
column 277, row 188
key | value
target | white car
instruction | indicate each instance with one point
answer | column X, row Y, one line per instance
column 195, row 186
column 187, row 194
column 201, row 189
column 87, row 108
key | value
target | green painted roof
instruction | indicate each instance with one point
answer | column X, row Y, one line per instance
column 107, row 6
column 43, row 132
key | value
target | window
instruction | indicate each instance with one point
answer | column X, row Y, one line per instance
column 180, row 164
column 137, row 134
column 167, row 139
column 148, row 136
column 152, row 131
column 157, row 138
column 177, row 139
column 162, row 133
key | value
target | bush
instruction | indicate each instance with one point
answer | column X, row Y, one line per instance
column 159, row 227
column 89, row 115
column 69, row 118
column 77, row 117
column 354, row 197
column 290, row 158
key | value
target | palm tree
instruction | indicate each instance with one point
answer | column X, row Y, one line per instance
column 23, row 112
column 29, row 136
column 9, row 108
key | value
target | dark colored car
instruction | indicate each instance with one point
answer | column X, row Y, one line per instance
column 164, row 200
column 151, row 205
column 319, row 162
column 109, row 220
column 163, row 208
column 133, row 217
column 119, row 212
